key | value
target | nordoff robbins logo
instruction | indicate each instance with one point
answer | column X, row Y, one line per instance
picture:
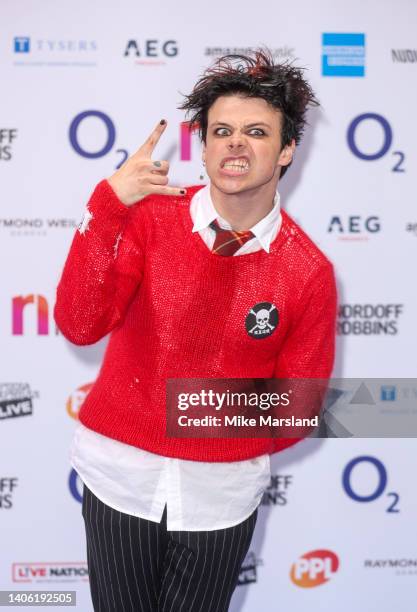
column 262, row 319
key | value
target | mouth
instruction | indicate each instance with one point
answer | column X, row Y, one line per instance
column 235, row 166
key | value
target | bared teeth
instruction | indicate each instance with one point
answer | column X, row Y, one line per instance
column 236, row 165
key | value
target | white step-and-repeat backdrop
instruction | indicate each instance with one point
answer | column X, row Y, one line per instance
column 83, row 83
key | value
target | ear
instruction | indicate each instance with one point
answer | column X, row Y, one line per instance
column 203, row 156
column 286, row 154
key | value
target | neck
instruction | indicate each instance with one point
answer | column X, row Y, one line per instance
column 245, row 209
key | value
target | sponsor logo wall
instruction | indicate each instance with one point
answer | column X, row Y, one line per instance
column 339, row 515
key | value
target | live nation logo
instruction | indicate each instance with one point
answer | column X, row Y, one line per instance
column 16, row 400
column 50, row 572
column 277, row 491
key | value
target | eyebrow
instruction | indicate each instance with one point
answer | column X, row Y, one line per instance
column 247, row 126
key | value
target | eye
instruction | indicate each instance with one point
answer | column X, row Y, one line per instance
column 226, row 131
column 258, row 130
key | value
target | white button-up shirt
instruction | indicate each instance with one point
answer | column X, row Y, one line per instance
column 200, row 496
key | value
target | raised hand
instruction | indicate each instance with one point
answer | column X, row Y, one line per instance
column 139, row 176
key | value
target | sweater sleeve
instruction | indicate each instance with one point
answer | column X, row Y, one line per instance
column 309, row 349
column 102, row 271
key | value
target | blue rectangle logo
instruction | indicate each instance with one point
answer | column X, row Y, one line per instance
column 388, row 393
column 21, row 44
column 343, row 55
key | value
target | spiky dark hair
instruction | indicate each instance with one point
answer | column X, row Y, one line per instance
column 281, row 85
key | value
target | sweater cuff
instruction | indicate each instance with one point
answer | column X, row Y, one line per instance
column 104, row 215
column 105, row 199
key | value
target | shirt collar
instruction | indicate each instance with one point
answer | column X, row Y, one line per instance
column 203, row 213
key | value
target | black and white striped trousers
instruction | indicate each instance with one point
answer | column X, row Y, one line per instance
column 136, row 565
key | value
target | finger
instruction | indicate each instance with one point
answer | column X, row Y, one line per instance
column 158, row 179
column 174, row 191
column 150, row 143
column 158, row 167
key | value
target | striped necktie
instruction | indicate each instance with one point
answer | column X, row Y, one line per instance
column 227, row 242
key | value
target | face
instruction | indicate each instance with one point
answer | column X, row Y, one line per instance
column 243, row 144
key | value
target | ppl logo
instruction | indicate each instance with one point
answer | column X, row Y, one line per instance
column 314, row 568
column 343, row 55
column 370, row 137
column 21, row 44
column 91, row 120
column 151, row 51
column 76, row 400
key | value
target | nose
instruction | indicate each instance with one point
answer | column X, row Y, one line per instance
column 236, row 142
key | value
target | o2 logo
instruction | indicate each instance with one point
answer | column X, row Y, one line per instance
column 186, row 133
column 110, row 136
column 75, row 485
column 386, row 144
column 379, row 488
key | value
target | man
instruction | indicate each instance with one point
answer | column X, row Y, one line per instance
column 178, row 277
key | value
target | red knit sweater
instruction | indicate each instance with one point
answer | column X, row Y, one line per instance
column 176, row 310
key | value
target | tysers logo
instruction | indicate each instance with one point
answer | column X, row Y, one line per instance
column 48, row 52
column 314, row 568
column 76, row 399
column 376, row 491
column 366, row 121
column 21, row 44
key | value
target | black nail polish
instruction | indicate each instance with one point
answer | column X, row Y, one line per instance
column 162, row 122
column 182, row 191
column 157, row 164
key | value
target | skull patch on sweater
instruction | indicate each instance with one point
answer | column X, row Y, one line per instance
column 262, row 320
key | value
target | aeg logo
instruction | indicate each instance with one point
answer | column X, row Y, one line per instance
column 314, row 568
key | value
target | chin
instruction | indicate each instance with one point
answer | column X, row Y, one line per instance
column 231, row 185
